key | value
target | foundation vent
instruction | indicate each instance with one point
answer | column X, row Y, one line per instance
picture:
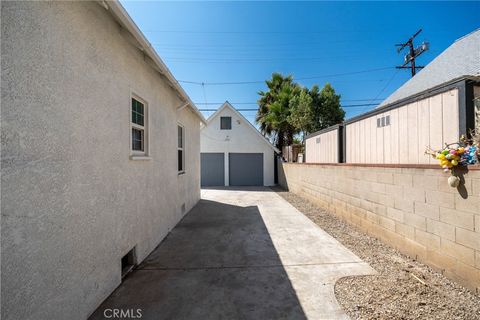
column 128, row 262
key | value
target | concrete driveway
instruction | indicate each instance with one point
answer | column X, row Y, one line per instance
column 240, row 254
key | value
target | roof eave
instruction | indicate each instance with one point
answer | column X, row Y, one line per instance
column 121, row 14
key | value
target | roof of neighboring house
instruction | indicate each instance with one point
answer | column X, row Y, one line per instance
column 227, row 104
column 459, row 60
column 122, row 17
column 325, row 130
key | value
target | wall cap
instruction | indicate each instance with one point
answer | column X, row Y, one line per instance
column 381, row 165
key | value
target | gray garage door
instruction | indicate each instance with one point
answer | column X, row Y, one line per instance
column 213, row 169
column 246, row 169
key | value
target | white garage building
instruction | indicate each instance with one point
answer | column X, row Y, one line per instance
column 234, row 152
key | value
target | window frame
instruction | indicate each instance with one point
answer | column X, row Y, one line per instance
column 182, row 148
column 226, row 117
column 144, row 128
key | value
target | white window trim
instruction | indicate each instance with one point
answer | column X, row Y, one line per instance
column 180, row 172
column 135, row 154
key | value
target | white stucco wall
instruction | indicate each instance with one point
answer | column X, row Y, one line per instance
column 241, row 139
column 72, row 201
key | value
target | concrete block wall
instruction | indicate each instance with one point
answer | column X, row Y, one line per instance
column 411, row 208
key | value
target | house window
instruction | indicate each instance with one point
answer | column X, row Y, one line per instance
column 181, row 149
column 378, row 123
column 225, row 123
column 138, row 125
column 387, row 120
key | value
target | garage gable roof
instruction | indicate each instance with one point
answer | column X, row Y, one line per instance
column 227, row 104
column 461, row 59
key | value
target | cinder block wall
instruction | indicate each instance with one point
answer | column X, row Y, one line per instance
column 412, row 209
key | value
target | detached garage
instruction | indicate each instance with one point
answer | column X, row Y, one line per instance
column 234, row 152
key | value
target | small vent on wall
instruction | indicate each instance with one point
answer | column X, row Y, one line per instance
column 317, row 140
column 383, row 121
column 183, row 208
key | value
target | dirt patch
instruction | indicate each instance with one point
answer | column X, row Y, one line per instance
column 403, row 289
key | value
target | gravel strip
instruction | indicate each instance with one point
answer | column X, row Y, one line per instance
column 398, row 291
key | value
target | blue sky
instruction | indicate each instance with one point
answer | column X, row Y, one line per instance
column 208, row 42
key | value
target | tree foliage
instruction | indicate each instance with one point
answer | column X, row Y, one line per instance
column 274, row 109
column 326, row 108
column 287, row 109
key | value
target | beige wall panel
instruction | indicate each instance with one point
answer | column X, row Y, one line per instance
column 335, row 145
column 379, row 151
column 423, row 131
column 412, row 133
column 432, row 121
column 324, row 152
column 450, row 116
column 402, row 134
column 310, row 150
column 394, row 136
column 355, row 143
column 362, row 141
column 387, row 141
column 373, row 137
column 436, row 122
column 368, row 142
column 348, row 143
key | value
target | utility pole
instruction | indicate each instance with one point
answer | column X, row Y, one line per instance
column 412, row 54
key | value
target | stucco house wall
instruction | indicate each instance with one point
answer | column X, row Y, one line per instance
column 73, row 202
column 240, row 139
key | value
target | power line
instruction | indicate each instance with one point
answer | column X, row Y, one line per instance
column 251, row 60
column 255, row 103
column 300, row 78
column 344, row 106
column 384, row 88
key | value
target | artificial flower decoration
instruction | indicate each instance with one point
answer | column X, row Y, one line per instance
column 463, row 153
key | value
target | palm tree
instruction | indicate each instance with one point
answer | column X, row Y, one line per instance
column 274, row 109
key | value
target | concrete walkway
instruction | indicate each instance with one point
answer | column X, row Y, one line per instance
column 240, row 254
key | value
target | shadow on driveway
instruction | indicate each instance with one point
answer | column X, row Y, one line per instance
column 219, row 262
